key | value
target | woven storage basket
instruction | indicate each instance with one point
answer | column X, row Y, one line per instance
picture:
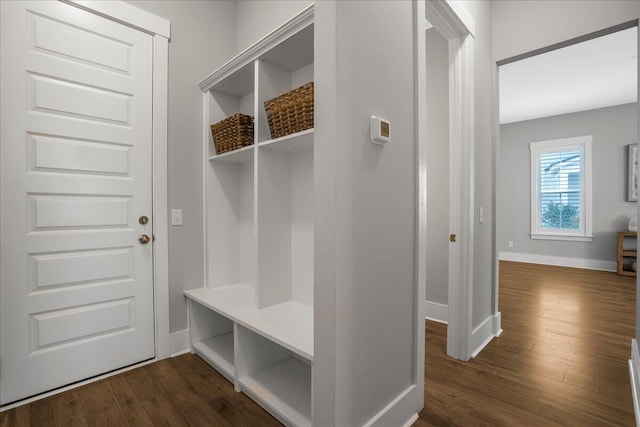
column 291, row 112
column 232, row 133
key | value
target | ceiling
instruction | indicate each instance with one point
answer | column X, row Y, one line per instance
column 597, row 73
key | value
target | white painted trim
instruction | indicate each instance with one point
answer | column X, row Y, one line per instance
column 634, row 364
column 564, row 237
column 450, row 18
column 457, row 26
column 497, row 324
column 461, row 190
column 396, row 409
column 412, row 420
column 160, row 194
column 436, row 312
column 179, row 342
column 205, row 165
column 484, row 333
column 127, row 14
column 461, row 14
column 303, row 19
column 589, row 264
column 495, row 178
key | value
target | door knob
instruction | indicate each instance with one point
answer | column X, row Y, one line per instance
column 452, row 237
column 143, row 219
column 144, row 239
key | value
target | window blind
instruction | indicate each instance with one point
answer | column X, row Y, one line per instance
column 559, row 189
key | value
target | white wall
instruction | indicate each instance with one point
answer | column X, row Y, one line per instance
column 437, row 268
column 612, row 129
column 257, row 18
column 203, row 37
column 375, row 207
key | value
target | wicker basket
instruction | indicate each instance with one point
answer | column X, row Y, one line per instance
column 291, row 112
column 232, row 133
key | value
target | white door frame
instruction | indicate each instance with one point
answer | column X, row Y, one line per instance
column 456, row 25
column 160, row 29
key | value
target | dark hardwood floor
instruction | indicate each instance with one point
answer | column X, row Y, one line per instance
column 181, row 391
column 561, row 361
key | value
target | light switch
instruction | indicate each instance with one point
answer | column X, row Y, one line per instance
column 481, row 214
column 176, row 216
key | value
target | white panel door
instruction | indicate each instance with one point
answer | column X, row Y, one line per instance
column 76, row 285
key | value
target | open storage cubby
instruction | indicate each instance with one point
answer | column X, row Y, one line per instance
column 232, row 94
column 275, row 377
column 212, row 338
column 230, row 228
column 285, row 222
column 253, row 319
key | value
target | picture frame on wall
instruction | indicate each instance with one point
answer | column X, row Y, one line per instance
column 632, row 172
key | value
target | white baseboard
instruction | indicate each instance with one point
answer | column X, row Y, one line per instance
column 634, row 364
column 395, row 413
column 436, row 312
column 589, row 264
column 497, row 324
column 485, row 332
column 412, row 420
column 179, row 342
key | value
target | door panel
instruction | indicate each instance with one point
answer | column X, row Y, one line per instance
column 81, row 267
column 57, row 96
column 76, row 289
column 77, row 156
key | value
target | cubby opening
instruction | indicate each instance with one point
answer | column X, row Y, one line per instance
column 274, row 81
column 212, row 338
column 230, row 222
column 285, row 223
column 234, row 94
column 274, row 377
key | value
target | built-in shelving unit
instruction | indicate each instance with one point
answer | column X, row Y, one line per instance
column 253, row 319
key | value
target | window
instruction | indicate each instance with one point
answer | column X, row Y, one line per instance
column 561, row 189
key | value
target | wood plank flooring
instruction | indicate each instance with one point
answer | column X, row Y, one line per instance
column 181, row 391
column 561, row 361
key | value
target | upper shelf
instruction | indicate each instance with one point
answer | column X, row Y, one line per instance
column 294, row 143
column 241, row 155
column 289, row 46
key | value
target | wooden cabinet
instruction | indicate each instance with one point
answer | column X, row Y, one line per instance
column 627, row 253
column 253, row 319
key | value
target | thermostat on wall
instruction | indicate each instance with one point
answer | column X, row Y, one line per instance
column 380, row 130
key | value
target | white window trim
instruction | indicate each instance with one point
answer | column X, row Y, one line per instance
column 585, row 234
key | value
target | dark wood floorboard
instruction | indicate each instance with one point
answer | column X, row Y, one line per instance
column 561, row 361
column 181, row 391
